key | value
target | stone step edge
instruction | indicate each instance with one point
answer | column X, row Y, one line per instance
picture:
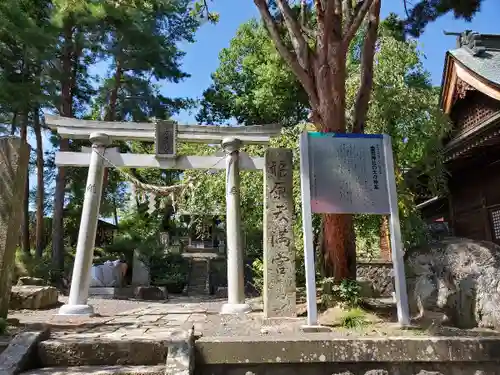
column 99, row 370
column 130, row 351
column 324, row 347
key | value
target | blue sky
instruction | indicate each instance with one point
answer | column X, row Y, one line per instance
column 202, row 56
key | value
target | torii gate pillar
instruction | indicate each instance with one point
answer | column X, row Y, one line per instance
column 80, row 281
column 235, row 272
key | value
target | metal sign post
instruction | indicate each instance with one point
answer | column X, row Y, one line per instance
column 349, row 174
column 305, row 188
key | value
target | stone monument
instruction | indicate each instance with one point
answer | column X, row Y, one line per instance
column 279, row 252
column 14, row 158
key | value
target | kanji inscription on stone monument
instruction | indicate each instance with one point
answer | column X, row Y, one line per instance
column 165, row 138
column 279, row 253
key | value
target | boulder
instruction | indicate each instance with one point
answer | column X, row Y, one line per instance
column 458, row 277
column 32, row 297
column 27, row 280
column 151, row 293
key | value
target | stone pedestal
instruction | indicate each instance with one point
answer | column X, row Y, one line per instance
column 279, row 246
column 14, row 158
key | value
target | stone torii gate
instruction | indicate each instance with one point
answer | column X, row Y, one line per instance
column 164, row 134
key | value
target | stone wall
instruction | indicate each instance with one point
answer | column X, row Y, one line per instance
column 378, row 273
column 360, row 368
column 322, row 354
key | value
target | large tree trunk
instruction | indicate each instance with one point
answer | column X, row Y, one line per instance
column 339, row 247
column 25, row 225
column 40, row 189
column 67, row 111
column 321, row 70
column 113, row 97
column 339, row 244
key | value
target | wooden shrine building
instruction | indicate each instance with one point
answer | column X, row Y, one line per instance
column 470, row 95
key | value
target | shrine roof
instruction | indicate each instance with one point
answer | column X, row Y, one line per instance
column 474, row 62
column 481, row 54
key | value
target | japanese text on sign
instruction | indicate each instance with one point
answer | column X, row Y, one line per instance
column 347, row 174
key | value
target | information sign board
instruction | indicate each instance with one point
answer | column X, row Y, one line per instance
column 348, row 174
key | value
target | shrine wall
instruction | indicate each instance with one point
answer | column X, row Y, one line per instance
column 475, row 201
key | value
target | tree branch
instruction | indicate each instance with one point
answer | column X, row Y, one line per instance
column 338, row 9
column 359, row 16
column 302, row 75
column 293, row 26
column 303, row 11
column 319, row 8
column 347, row 9
column 367, row 56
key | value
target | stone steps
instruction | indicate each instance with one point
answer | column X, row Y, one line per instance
column 74, row 352
column 200, row 250
column 156, row 350
column 99, row 370
column 198, row 277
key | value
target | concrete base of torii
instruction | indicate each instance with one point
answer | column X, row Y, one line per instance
column 235, row 308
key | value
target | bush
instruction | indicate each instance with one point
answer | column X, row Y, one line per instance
column 347, row 292
column 258, row 275
column 354, row 318
column 166, row 269
column 43, row 268
column 169, row 270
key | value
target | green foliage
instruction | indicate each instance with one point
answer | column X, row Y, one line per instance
column 353, row 319
column 422, row 12
column 43, row 268
column 140, row 231
column 202, row 10
column 258, row 275
column 367, row 230
column 47, row 49
column 348, row 292
column 253, row 84
column 167, row 269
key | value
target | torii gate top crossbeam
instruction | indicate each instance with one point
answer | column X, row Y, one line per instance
column 145, row 131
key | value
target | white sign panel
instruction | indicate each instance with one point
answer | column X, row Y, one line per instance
column 348, row 174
